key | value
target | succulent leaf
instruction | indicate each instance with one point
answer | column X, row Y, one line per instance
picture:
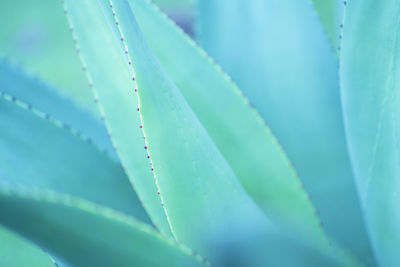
column 199, row 190
column 16, row 251
column 114, row 90
column 280, row 148
column 38, row 151
column 15, row 82
column 370, row 81
column 102, row 236
column 331, row 15
column 238, row 131
column 281, row 58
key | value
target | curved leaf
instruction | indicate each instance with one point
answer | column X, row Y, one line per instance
column 84, row 234
column 370, row 79
column 17, row 252
column 39, row 151
column 113, row 88
column 15, row 82
column 277, row 53
column 198, row 187
column 237, row 130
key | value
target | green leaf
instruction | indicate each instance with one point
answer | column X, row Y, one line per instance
column 237, row 130
column 85, row 234
column 370, row 79
column 265, row 171
column 17, row 83
column 36, row 150
column 280, row 57
column 17, row 252
column 199, row 189
column 36, row 35
column 331, row 14
column 111, row 82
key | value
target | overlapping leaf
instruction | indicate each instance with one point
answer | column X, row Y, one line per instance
column 16, row 82
column 197, row 140
column 84, row 234
column 198, row 189
column 237, row 130
column 38, row 151
column 201, row 193
column 282, row 60
column 111, row 81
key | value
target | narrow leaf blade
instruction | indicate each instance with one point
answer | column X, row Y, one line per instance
column 40, row 152
column 111, row 82
column 16, row 82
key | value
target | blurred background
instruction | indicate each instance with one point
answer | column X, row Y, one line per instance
column 35, row 36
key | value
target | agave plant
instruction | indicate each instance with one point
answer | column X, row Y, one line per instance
column 171, row 165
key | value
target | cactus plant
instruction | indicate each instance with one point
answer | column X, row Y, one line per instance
column 272, row 142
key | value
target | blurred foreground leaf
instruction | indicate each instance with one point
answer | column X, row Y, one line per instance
column 38, row 151
column 17, row 252
column 280, row 57
column 370, row 78
column 84, row 234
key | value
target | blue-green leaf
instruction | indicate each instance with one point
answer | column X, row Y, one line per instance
column 370, row 79
column 17, row 252
column 199, row 190
column 112, row 85
column 85, row 234
column 238, row 131
column 331, row 14
column 36, row 150
column 281, row 58
column 17, row 83
column 36, row 35
column 181, row 11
